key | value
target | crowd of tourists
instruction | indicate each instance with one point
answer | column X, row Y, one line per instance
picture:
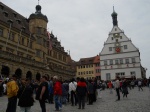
column 54, row 90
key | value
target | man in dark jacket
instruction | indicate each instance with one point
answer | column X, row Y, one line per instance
column 81, row 92
column 25, row 96
column 90, row 90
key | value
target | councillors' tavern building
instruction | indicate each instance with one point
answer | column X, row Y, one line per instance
column 119, row 56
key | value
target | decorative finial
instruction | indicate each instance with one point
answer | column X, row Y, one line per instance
column 113, row 9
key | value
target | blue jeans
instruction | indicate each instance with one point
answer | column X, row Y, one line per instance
column 57, row 102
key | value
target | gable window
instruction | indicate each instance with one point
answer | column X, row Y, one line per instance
column 105, row 62
column 111, row 62
column 1, row 32
column 116, row 61
column 125, row 47
column 110, row 48
column 127, row 61
column 133, row 60
column 121, row 61
column 108, row 76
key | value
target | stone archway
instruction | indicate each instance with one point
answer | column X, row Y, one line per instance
column 38, row 76
column 5, row 71
column 18, row 72
column 29, row 75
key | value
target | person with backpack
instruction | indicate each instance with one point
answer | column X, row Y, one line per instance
column 42, row 93
column 25, row 95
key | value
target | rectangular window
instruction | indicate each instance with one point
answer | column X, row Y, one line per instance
column 38, row 53
column 78, row 73
column 110, row 48
column 1, row 32
column 111, row 62
column 116, row 62
column 127, row 61
column 105, row 62
column 89, row 72
column 22, row 41
column 121, row 61
column 86, row 66
column 11, row 36
column 108, row 76
column 132, row 73
column 125, row 47
column 112, row 38
column 78, row 67
column 133, row 60
column 86, row 72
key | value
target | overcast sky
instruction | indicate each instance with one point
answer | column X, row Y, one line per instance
column 83, row 26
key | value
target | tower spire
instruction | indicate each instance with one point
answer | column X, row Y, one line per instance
column 114, row 17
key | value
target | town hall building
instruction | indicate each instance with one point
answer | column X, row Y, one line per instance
column 119, row 56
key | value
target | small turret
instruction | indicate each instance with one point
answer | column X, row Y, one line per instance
column 114, row 18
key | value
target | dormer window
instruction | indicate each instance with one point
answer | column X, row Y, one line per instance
column 15, row 15
column 18, row 21
column 23, row 29
column 5, row 13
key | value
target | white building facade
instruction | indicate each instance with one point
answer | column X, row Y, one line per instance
column 119, row 56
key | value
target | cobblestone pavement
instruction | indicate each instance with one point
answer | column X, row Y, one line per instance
column 137, row 101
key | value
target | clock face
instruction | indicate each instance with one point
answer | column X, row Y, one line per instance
column 118, row 49
column 117, row 44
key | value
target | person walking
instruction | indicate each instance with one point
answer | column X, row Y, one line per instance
column 117, row 87
column 90, row 90
column 25, row 95
column 110, row 87
column 140, row 85
column 57, row 93
column 42, row 93
column 81, row 92
column 72, row 91
column 12, row 90
column 125, row 88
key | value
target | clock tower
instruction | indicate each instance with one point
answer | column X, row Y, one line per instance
column 119, row 56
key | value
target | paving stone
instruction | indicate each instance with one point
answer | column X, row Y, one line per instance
column 137, row 101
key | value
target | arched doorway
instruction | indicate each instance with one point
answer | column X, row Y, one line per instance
column 5, row 71
column 18, row 72
column 29, row 75
column 38, row 76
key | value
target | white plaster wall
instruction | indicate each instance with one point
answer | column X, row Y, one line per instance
column 114, row 71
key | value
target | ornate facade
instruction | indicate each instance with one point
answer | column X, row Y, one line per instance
column 119, row 56
column 25, row 45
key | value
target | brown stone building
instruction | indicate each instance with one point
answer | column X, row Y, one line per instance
column 25, row 46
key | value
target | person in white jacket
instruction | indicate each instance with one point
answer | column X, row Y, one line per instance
column 72, row 91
